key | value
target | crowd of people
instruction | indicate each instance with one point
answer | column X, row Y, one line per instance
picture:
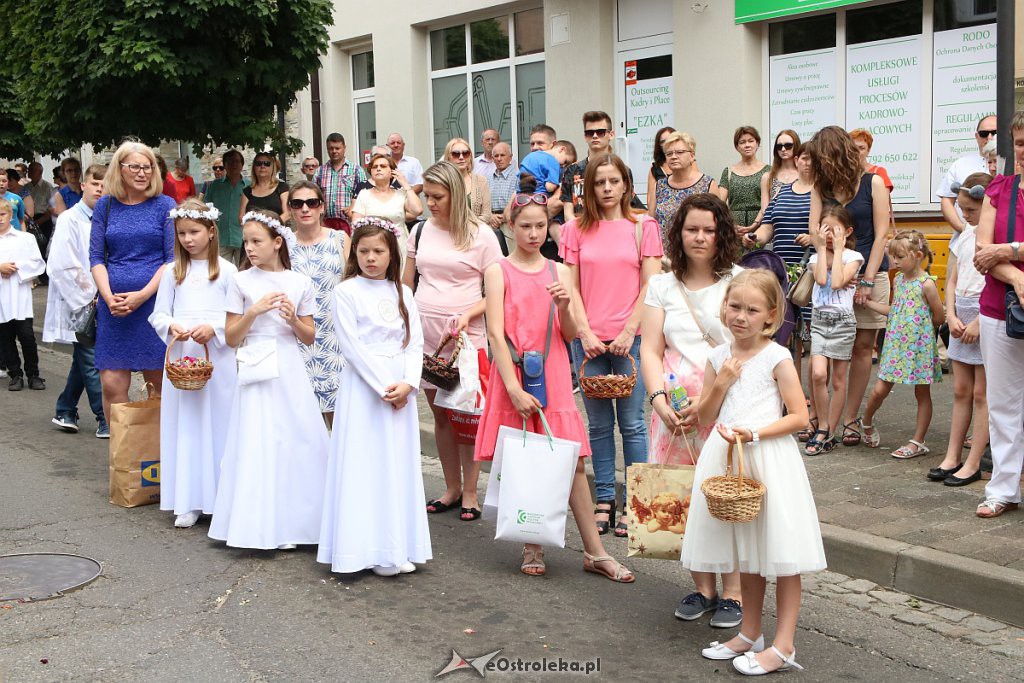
column 317, row 301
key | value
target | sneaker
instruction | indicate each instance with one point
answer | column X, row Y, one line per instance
column 728, row 614
column 694, row 605
column 286, row 546
column 16, row 384
column 103, row 431
column 67, row 422
column 187, row 520
column 37, row 383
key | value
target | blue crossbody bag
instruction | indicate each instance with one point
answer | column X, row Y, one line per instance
column 531, row 363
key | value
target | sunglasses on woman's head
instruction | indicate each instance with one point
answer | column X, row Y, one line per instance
column 263, row 163
column 312, row 203
column 460, row 153
column 523, row 199
column 975, row 192
column 779, row 146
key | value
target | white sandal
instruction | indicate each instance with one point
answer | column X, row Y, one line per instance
column 719, row 651
column 906, row 453
column 748, row 665
column 874, row 438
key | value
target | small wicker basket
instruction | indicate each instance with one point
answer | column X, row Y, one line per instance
column 733, row 499
column 187, row 378
column 607, row 386
column 443, row 374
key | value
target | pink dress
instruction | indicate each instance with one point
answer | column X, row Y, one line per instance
column 526, row 324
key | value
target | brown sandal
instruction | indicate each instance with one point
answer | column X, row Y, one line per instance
column 851, row 433
column 621, row 575
column 533, row 561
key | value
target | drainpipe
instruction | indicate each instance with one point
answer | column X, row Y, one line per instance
column 1005, row 80
column 314, row 94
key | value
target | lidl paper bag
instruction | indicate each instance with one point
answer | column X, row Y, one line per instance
column 659, row 501
column 135, row 453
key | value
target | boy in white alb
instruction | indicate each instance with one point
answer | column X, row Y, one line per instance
column 20, row 263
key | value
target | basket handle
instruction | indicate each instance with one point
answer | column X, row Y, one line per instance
column 444, row 342
column 739, row 460
column 177, row 340
column 587, row 360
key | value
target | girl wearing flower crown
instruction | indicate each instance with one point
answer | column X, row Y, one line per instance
column 374, row 516
column 276, row 451
column 189, row 314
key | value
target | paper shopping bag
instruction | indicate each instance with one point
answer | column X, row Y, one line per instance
column 135, row 453
column 536, row 477
column 659, row 501
column 490, row 509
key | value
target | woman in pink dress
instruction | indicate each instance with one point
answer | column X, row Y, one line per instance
column 446, row 259
column 519, row 291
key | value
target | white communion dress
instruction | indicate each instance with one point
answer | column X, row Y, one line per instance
column 785, row 538
column 271, row 484
column 374, row 514
column 193, row 424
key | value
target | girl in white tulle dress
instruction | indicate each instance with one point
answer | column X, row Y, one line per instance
column 190, row 312
column 374, row 516
column 746, row 385
column 270, row 492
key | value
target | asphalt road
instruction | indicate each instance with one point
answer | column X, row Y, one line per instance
column 173, row 605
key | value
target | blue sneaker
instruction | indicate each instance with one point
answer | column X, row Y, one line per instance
column 694, row 605
column 103, row 431
column 728, row 614
column 67, row 422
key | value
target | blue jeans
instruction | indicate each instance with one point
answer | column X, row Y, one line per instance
column 601, row 417
column 83, row 376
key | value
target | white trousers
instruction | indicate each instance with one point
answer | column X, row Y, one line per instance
column 1004, row 372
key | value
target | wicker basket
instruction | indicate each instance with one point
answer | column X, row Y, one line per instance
column 607, row 386
column 187, row 379
column 443, row 374
column 733, row 499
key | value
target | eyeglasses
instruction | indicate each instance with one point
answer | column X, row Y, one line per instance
column 218, row 168
column 677, row 153
column 262, row 163
column 595, row 132
column 313, row 203
column 138, row 168
column 975, row 192
column 461, row 153
column 779, row 146
column 523, row 199
column 986, row 133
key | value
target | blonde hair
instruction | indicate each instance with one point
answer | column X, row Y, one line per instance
column 683, row 137
column 907, row 241
column 182, row 259
column 5, row 203
column 114, row 183
column 448, row 152
column 275, row 168
column 765, row 282
column 464, row 225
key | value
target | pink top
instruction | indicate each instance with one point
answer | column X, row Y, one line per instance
column 993, row 296
column 527, row 304
column 451, row 281
column 609, row 268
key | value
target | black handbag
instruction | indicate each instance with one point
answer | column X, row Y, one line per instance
column 1014, row 310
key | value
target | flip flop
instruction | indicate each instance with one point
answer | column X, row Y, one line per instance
column 906, row 452
column 439, row 507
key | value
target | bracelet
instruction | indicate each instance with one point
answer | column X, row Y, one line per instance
column 656, row 394
column 867, row 283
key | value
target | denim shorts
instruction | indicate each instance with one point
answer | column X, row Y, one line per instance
column 832, row 334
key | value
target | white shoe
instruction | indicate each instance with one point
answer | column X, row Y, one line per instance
column 748, row 665
column 406, row 568
column 3, row 374
column 719, row 651
column 286, row 546
column 385, row 571
column 187, row 520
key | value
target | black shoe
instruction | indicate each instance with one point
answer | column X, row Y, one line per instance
column 939, row 474
column 728, row 614
column 37, row 383
column 953, row 480
column 694, row 605
column 16, row 384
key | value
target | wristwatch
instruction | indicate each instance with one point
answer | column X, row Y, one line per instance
column 755, row 438
column 1016, row 250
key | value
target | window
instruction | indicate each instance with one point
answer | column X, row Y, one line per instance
column 884, row 21
column 802, row 35
column 362, row 70
column 488, row 74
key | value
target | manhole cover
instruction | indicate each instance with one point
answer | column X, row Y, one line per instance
column 37, row 576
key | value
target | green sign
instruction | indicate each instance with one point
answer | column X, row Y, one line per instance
column 758, row 10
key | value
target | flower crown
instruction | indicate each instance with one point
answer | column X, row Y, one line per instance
column 211, row 214
column 376, row 222
column 284, row 231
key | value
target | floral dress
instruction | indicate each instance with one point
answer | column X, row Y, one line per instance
column 668, row 199
column 910, row 355
column 324, row 264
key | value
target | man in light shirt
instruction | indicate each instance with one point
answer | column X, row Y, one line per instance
column 410, row 167
column 958, row 172
column 484, row 164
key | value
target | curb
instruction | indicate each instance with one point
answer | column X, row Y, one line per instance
column 982, row 587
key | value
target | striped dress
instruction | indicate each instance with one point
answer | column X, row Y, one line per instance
column 789, row 214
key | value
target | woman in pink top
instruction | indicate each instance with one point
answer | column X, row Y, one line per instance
column 522, row 290
column 610, row 265
column 450, row 252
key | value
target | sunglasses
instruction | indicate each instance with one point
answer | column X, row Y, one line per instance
column 218, row 168
column 263, row 163
column 313, row 203
column 975, row 192
column 522, row 199
column 595, row 132
column 461, row 153
column 309, row 166
column 783, row 145
column 986, row 133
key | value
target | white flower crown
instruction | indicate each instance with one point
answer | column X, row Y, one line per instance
column 284, row 231
column 211, row 214
column 377, row 223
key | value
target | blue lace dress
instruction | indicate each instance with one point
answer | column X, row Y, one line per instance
column 324, row 264
column 132, row 241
